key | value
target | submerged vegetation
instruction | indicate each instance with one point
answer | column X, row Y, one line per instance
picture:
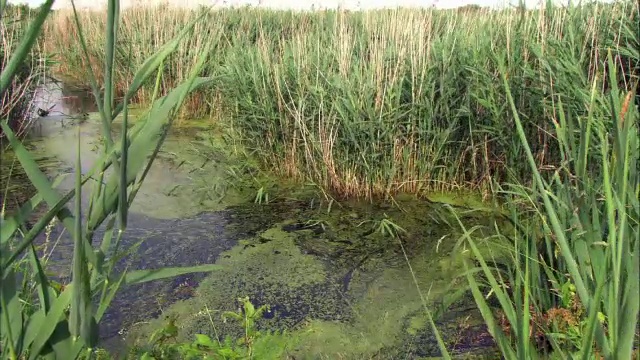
column 535, row 108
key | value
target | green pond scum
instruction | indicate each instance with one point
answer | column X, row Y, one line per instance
column 334, row 273
column 339, row 286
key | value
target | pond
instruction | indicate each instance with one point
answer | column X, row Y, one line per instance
column 334, row 277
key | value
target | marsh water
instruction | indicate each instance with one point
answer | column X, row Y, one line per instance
column 334, row 279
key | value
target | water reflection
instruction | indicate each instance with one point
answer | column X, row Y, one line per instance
column 60, row 102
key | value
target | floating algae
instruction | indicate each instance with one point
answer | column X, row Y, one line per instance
column 269, row 268
column 340, row 287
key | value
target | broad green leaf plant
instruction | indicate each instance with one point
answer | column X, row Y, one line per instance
column 58, row 323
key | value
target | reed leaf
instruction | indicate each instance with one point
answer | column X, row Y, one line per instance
column 50, row 323
column 141, row 146
column 11, row 224
column 49, row 331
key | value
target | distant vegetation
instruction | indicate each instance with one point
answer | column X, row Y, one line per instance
column 15, row 102
column 380, row 102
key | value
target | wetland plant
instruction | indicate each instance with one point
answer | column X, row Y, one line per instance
column 254, row 344
column 55, row 322
column 571, row 287
column 372, row 103
column 16, row 100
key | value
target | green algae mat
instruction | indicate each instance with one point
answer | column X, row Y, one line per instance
column 339, row 285
column 343, row 280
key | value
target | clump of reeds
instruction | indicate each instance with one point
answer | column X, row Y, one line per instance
column 16, row 101
column 379, row 102
column 571, row 287
column 139, row 38
column 38, row 318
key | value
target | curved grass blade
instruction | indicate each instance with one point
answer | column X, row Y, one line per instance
column 153, row 63
column 33, row 327
column 9, row 226
column 38, row 227
column 46, row 294
column 148, row 137
column 50, row 322
column 10, row 310
column 572, row 265
column 196, row 69
column 108, row 296
column 142, row 276
column 38, row 179
column 42, row 282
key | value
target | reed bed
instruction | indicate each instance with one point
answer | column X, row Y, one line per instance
column 570, row 288
column 16, row 101
column 376, row 103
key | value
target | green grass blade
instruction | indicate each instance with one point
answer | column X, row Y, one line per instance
column 142, row 276
column 193, row 78
column 591, row 321
column 11, row 312
column 42, row 282
column 108, row 296
column 146, row 140
column 92, row 80
column 154, row 62
column 38, row 227
column 50, row 322
column 80, row 316
column 123, row 203
column 38, row 179
column 33, row 327
column 12, row 224
column 494, row 329
column 110, row 48
column 572, row 265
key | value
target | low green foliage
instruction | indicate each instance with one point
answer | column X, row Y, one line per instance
column 262, row 196
column 253, row 345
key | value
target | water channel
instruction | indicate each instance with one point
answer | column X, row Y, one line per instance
column 332, row 278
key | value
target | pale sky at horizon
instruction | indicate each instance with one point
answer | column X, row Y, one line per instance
column 302, row 4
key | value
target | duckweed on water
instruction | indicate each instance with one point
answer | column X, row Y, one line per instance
column 331, row 277
column 343, row 288
column 269, row 268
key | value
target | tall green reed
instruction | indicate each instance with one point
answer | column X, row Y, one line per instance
column 16, row 101
column 571, row 287
column 379, row 102
column 61, row 324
